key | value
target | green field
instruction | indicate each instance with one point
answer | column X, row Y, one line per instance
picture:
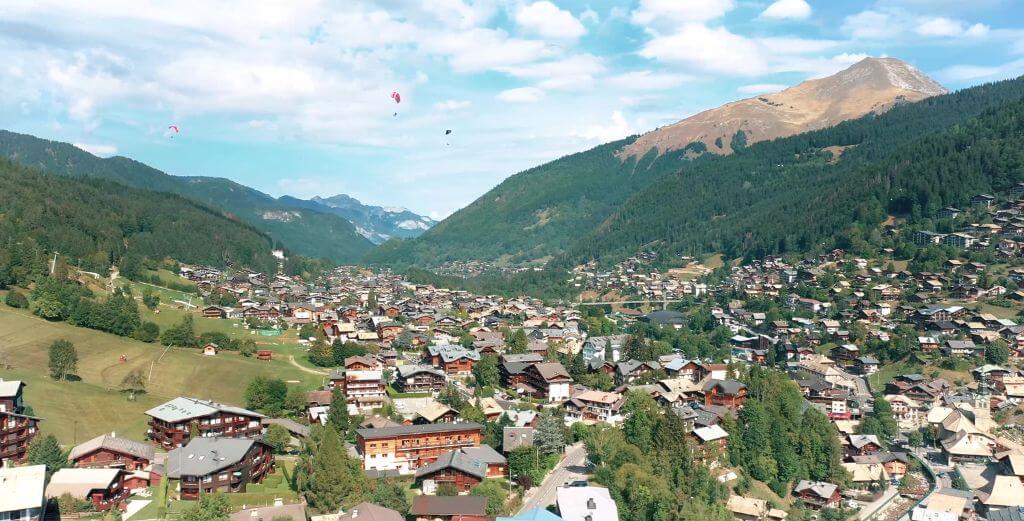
column 77, row 410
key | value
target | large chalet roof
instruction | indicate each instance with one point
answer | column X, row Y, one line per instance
column 183, row 408
column 552, row 371
column 203, row 456
column 405, row 430
column 80, row 482
column 370, row 512
column 451, row 353
column 819, row 488
column 10, row 388
column 457, row 460
column 113, row 443
column 23, row 487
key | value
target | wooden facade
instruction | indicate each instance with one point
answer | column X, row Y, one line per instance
column 409, row 447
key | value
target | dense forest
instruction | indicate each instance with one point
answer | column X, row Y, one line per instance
column 299, row 229
column 97, row 223
column 793, row 195
column 539, row 212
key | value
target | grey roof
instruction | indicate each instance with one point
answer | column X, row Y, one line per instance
column 486, row 454
column 204, row 456
column 414, row 368
column 458, row 460
column 727, row 386
column 184, row 408
column 417, row 429
column 295, row 428
column 370, row 512
column 515, row 437
column 114, row 443
column 451, row 353
column 820, row 488
column 521, row 358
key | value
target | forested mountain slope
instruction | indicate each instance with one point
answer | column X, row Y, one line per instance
column 539, row 212
column 301, row 230
column 98, row 222
column 793, row 194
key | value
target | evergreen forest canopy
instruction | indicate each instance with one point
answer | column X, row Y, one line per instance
column 791, row 195
column 99, row 223
column 298, row 228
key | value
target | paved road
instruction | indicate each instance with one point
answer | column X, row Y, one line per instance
column 569, row 469
column 873, row 507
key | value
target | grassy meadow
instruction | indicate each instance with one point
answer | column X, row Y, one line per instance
column 93, row 403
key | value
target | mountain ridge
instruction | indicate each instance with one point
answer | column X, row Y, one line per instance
column 872, row 85
column 540, row 213
column 301, row 230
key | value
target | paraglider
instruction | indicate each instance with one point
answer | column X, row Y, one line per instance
column 447, row 133
column 172, row 130
column 398, row 99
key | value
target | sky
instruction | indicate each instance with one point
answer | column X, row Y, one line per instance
column 295, row 97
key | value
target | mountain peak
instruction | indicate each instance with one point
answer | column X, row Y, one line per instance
column 872, row 85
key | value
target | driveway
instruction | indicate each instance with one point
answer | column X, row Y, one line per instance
column 571, row 468
column 873, row 507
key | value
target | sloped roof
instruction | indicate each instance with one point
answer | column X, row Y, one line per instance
column 204, row 456
column 23, row 487
column 80, row 482
column 114, row 443
column 184, row 408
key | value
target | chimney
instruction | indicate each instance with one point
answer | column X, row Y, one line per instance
column 591, row 505
column 355, row 513
column 278, row 502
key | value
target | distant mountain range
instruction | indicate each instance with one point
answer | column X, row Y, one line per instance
column 338, row 228
column 377, row 223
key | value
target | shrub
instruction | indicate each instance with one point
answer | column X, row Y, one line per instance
column 16, row 300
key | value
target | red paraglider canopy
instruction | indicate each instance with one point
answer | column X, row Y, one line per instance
column 396, row 96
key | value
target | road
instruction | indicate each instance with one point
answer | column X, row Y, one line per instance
column 873, row 507
column 571, row 468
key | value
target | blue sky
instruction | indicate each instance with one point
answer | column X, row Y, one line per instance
column 294, row 97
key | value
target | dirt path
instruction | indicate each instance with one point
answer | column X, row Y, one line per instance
column 291, row 358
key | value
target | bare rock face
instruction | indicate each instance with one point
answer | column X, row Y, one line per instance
column 870, row 85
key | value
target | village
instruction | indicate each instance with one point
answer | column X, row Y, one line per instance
column 479, row 407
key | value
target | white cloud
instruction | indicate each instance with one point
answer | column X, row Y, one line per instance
column 618, row 128
column 673, row 12
column 761, row 88
column 712, row 50
column 97, row 150
column 646, row 80
column 974, row 73
column 590, row 16
column 575, row 72
column 547, row 20
column 946, row 27
column 521, row 95
column 787, row 9
column 452, row 105
column 871, row 25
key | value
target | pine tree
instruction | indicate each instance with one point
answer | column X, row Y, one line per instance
column 337, row 416
column 550, row 434
column 45, row 450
